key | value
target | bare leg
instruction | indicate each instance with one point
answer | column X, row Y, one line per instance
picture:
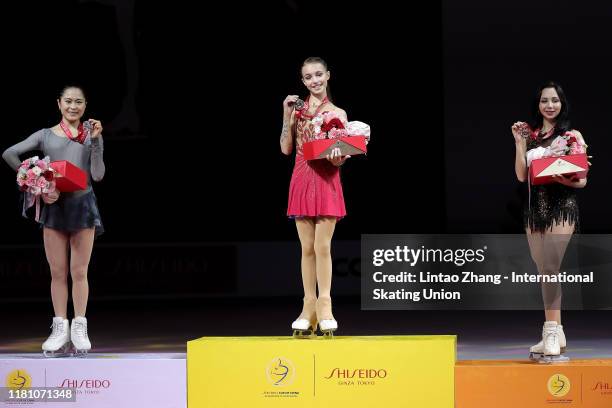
column 324, row 232
column 81, row 245
column 56, row 250
column 306, row 233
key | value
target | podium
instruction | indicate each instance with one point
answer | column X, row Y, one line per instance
column 511, row 384
column 123, row 380
column 370, row 371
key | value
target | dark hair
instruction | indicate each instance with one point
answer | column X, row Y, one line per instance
column 68, row 86
column 317, row 60
column 562, row 122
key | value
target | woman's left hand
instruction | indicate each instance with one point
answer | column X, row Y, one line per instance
column 50, row 198
column 336, row 157
column 96, row 128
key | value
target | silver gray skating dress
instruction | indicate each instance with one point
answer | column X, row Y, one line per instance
column 76, row 210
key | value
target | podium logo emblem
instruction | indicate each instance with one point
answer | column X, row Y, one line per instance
column 280, row 372
column 558, row 385
column 18, row 379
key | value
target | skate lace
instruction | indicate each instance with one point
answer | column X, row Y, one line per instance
column 56, row 330
column 551, row 338
column 80, row 329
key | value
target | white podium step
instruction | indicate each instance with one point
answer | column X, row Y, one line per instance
column 97, row 381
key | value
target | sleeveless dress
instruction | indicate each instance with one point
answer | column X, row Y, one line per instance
column 549, row 204
column 315, row 189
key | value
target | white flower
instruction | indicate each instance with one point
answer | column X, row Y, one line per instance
column 557, row 147
column 36, row 170
column 536, row 153
column 356, row 128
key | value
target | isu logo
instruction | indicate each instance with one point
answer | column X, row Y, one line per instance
column 280, row 372
column 558, row 385
column 18, row 379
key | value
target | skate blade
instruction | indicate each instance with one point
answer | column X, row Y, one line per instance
column 79, row 353
column 535, row 356
column 553, row 359
column 63, row 351
column 328, row 334
column 304, row 334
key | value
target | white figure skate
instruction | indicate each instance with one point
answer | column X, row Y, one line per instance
column 305, row 326
column 58, row 343
column 78, row 336
column 552, row 347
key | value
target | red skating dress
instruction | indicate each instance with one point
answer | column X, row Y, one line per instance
column 315, row 189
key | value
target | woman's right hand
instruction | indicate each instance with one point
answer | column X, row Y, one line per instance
column 288, row 104
column 50, row 198
column 517, row 132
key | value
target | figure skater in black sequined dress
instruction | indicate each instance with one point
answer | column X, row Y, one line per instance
column 551, row 212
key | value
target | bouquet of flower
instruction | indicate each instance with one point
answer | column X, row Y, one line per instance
column 563, row 145
column 332, row 132
column 566, row 144
column 35, row 177
column 328, row 125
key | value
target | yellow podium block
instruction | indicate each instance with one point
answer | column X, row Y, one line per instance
column 511, row 384
column 371, row 371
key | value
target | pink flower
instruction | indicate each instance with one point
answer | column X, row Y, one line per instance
column 31, row 177
column 577, row 148
column 42, row 183
column 42, row 164
column 336, row 133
